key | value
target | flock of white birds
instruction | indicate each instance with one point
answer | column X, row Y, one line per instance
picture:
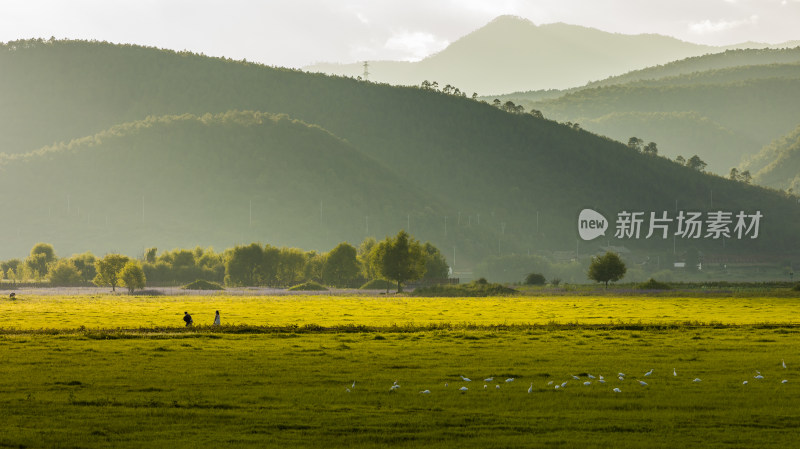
column 588, row 381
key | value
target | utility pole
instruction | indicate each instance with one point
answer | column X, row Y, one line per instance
column 500, row 238
column 366, row 70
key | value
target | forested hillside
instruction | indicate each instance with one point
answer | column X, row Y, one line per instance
column 471, row 178
column 777, row 165
column 721, row 115
column 227, row 178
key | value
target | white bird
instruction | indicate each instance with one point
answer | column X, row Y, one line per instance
column 758, row 377
column 674, row 373
column 697, row 379
column 649, row 372
column 394, row 387
column 445, row 384
column 347, row 389
column 425, row 392
column 587, row 383
column 466, row 379
column 784, row 381
column 497, row 387
column 550, row 383
column 558, row 386
column 463, row 388
column 602, row 378
column 485, row 386
column 354, row 384
column 744, row 383
column 564, row 384
column 488, row 379
column 576, row 377
column 395, row 383
column 621, row 378
column 783, row 363
column 590, row 376
column 621, row 374
column 617, row 390
column 510, row 379
column 530, row 389
column 643, row 383
column 602, row 381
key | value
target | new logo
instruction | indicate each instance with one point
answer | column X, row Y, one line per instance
column 591, row 224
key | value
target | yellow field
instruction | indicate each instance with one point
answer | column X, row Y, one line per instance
column 66, row 312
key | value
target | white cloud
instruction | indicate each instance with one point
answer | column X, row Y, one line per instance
column 709, row 27
column 415, row 45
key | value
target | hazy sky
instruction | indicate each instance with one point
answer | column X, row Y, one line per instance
column 299, row 32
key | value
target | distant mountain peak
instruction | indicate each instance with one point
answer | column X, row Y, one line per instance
column 510, row 19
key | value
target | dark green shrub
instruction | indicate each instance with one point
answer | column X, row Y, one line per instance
column 653, row 284
column 535, row 279
column 310, row 286
column 476, row 288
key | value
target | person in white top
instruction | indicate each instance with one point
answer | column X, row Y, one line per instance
column 216, row 319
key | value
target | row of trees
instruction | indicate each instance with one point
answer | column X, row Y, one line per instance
column 651, row 149
column 42, row 265
column 399, row 259
column 508, row 106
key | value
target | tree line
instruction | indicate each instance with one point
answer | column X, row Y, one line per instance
column 399, row 259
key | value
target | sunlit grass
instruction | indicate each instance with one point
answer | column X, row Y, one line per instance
column 290, row 390
column 106, row 311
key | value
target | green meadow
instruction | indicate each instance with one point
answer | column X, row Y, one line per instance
column 246, row 386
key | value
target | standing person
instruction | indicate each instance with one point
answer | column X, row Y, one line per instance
column 188, row 319
column 216, row 319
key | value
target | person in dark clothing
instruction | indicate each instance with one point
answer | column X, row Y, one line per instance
column 187, row 318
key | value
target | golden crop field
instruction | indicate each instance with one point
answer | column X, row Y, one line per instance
column 109, row 311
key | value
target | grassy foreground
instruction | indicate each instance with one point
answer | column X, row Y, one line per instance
column 283, row 389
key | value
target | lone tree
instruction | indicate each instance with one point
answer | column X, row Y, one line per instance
column 608, row 267
column 635, row 144
column 132, row 276
column 399, row 259
column 108, row 269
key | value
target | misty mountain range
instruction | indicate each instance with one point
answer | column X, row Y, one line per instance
column 512, row 54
